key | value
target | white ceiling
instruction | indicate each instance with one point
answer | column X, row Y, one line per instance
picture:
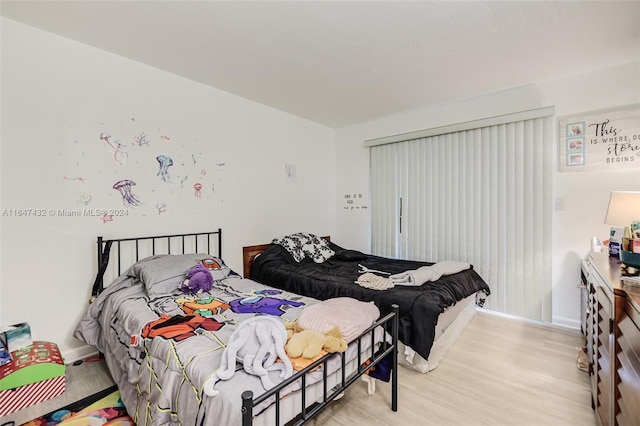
column 343, row 62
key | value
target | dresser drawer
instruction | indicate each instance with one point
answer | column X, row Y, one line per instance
column 628, row 370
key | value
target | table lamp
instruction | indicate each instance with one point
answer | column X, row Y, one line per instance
column 624, row 208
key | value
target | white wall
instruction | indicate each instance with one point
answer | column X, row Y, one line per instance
column 585, row 194
column 58, row 96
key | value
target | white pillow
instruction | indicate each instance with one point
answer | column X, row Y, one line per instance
column 351, row 316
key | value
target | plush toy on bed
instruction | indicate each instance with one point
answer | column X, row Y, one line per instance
column 198, row 279
column 257, row 344
column 310, row 343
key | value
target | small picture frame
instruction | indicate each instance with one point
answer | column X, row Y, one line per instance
column 575, row 144
column 575, row 159
column 575, row 128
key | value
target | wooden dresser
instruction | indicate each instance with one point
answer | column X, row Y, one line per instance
column 613, row 342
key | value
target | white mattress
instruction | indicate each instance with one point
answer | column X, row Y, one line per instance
column 450, row 325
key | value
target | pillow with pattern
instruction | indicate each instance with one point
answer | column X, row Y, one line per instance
column 317, row 249
column 293, row 244
column 303, row 245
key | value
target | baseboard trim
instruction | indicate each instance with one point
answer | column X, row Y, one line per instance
column 568, row 323
column 561, row 323
column 72, row 355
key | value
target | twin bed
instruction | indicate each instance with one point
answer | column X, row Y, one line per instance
column 166, row 349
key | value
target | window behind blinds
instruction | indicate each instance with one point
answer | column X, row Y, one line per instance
column 479, row 194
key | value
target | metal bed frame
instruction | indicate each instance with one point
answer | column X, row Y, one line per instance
column 105, row 246
column 163, row 245
column 389, row 321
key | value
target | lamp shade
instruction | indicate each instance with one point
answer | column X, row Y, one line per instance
column 624, row 208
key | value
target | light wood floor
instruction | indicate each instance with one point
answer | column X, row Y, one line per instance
column 500, row 371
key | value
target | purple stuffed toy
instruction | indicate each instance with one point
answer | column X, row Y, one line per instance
column 198, row 279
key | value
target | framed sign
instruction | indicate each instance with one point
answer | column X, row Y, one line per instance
column 600, row 140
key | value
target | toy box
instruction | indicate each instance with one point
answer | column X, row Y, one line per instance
column 12, row 400
column 35, row 374
column 35, row 363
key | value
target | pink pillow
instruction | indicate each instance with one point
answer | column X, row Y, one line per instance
column 351, row 316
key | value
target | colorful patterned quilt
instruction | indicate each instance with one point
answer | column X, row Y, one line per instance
column 162, row 349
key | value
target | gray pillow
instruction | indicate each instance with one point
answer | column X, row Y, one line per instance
column 163, row 274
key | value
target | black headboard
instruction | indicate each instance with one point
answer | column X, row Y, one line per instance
column 127, row 251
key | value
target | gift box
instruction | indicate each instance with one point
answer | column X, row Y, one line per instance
column 35, row 363
column 35, row 374
column 12, row 400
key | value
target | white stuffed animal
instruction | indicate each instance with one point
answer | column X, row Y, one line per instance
column 256, row 343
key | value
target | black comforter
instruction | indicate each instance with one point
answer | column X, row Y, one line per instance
column 419, row 306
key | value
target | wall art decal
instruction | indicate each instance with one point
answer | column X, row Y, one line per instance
column 197, row 187
column 84, row 199
column 79, row 179
column 180, row 168
column 291, row 172
column 164, row 163
column 354, row 201
column 119, row 155
column 141, row 139
column 106, row 218
column 128, row 198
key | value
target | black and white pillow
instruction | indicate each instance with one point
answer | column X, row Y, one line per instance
column 302, row 245
column 293, row 244
column 317, row 249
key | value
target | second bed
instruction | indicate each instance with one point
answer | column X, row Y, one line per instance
column 432, row 315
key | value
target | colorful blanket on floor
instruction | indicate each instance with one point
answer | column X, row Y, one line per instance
column 104, row 407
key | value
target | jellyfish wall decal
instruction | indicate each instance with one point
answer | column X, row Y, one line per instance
column 128, row 199
column 118, row 153
column 197, row 186
column 164, row 162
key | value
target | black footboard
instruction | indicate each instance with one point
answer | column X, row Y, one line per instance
column 248, row 402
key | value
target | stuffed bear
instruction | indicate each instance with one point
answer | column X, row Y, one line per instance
column 292, row 328
column 309, row 343
column 198, row 279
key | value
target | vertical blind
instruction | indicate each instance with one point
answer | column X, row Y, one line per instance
column 480, row 195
